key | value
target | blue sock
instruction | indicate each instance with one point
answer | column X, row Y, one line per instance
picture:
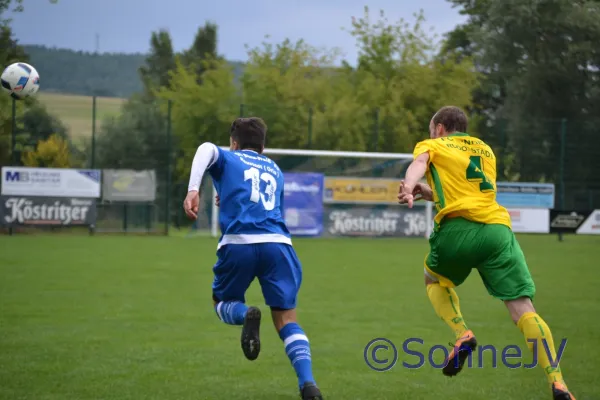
column 298, row 350
column 231, row 312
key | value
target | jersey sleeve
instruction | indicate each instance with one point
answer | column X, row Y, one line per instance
column 206, row 155
column 216, row 168
column 426, row 146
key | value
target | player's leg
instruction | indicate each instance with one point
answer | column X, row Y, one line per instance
column 447, row 265
column 507, row 277
column 233, row 273
column 280, row 276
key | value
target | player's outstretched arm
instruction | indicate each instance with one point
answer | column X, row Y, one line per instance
column 206, row 155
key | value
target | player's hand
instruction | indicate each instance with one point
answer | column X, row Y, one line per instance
column 191, row 203
column 425, row 192
column 421, row 191
column 217, row 201
column 406, row 194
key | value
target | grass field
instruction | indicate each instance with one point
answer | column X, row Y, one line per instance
column 131, row 318
column 76, row 111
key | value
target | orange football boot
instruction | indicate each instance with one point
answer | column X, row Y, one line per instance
column 560, row 392
column 459, row 354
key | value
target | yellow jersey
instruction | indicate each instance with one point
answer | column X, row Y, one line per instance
column 462, row 174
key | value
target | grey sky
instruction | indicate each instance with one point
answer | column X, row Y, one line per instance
column 125, row 25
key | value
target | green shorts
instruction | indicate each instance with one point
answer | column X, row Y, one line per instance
column 461, row 245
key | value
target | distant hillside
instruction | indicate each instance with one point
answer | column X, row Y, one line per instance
column 75, row 111
column 83, row 73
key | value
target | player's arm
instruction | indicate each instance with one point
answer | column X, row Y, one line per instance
column 415, row 172
column 206, row 156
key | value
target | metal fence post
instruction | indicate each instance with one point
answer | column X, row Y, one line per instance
column 168, row 194
column 125, row 218
column 93, row 160
column 13, row 145
column 561, row 172
column 376, row 130
column 310, row 126
column 503, row 144
column 13, row 136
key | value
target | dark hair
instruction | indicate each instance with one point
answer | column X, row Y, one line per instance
column 452, row 118
column 249, row 133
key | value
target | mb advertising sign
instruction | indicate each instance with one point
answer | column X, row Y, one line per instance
column 50, row 182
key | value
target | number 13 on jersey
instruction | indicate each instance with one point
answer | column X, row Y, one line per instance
column 268, row 198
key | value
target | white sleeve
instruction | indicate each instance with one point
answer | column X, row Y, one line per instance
column 206, row 155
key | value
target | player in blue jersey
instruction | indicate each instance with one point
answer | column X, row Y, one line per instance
column 255, row 243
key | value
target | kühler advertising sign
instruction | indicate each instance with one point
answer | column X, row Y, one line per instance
column 348, row 190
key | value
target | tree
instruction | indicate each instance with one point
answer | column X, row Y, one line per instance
column 39, row 124
column 200, row 112
column 159, row 63
column 53, row 152
column 155, row 73
column 34, row 124
column 541, row 65
column 284, row 83
column 135, row 139
column 10, row 52
column 404, row 81
column 203, row 48
column 307, row 99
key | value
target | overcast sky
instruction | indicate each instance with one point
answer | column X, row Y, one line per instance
column 125, row 25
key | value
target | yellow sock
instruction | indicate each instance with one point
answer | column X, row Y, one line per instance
column 446, row 305
column 534, row 327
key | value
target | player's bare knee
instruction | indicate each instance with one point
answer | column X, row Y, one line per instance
column 429, row 279
column 282, row 317
column 518, row 307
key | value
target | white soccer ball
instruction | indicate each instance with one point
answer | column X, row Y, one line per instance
column 20, row 80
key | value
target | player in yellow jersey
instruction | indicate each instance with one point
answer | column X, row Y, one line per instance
column 472, row 231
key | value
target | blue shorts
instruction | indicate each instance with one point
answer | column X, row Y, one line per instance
column 274, row 264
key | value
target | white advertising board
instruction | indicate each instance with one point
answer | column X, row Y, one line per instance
column 50, row 182
column 591, row 225
column 530, row 220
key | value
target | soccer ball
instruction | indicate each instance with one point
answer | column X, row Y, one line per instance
column 20, row 80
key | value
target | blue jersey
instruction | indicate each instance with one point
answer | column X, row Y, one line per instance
column 250, row 188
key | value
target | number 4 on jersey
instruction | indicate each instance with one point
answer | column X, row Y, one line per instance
column 268, row 198
column 475, row 174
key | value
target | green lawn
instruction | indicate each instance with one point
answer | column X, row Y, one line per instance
column 76, row 111
column 130, row 318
